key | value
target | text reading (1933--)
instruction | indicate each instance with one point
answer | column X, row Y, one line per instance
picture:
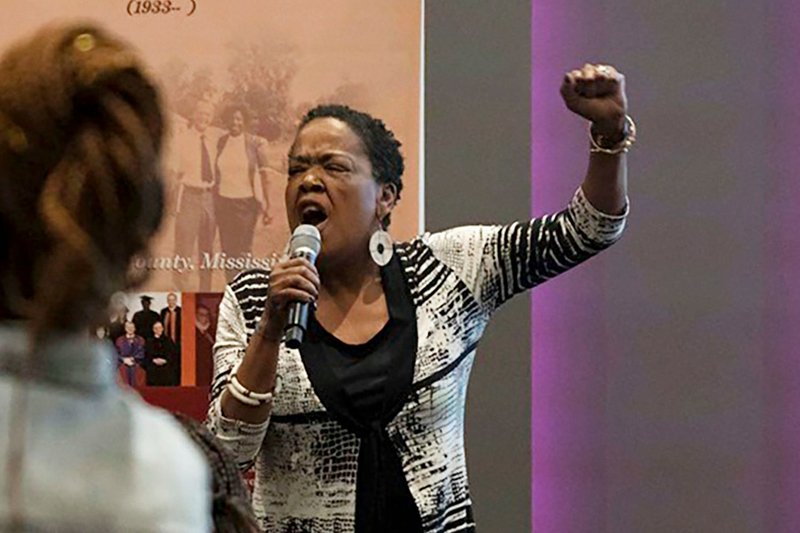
column 161, row 7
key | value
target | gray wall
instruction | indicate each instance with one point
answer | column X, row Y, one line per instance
column 477, row 150
column 675, row 407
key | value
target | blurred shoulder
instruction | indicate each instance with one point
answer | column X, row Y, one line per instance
column 170, row 474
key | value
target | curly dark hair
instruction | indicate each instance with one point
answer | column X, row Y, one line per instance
column 81, row 192
column 226, row 116
column 382, row 148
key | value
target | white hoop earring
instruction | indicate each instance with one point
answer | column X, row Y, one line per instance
column 381, row 246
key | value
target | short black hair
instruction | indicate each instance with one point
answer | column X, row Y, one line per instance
column 382, row 148
column 229, row 110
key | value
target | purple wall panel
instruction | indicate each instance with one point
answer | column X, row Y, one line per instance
column 782, row 316
column 567, row 410
column 666, row 372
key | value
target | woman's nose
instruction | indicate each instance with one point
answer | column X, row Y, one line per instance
column 311, row 183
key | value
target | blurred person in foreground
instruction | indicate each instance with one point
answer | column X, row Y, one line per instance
column 80, row 139
column 366, row 431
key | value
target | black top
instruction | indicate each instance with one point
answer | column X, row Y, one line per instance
column 364, row 387
column 144, row 321
column 168, row 374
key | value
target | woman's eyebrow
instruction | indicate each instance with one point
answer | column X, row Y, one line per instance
column 326, row 156
column 301, row 159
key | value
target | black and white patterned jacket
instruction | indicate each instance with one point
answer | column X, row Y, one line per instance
column 306, row 461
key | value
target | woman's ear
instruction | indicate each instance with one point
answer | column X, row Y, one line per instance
column 387, row 199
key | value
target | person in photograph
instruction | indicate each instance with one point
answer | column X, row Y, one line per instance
column 362, row 428
column 161, row 359
column 195, row 220
column 101, row 332
column 171, row 319
column 81, row 127
column 145, row 317
column 204, row 343
column 241, row 171
column 130, row 348
column 116, row 325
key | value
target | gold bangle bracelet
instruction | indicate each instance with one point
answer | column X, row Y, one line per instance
column 621, row 147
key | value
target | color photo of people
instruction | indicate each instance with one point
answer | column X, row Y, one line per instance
column 146, row 330
column 147, row 342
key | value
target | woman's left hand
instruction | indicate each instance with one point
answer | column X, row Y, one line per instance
column 597, row 93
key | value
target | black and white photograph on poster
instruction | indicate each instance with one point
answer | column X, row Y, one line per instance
column 236, row 78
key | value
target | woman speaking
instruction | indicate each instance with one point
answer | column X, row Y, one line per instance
column 361, row 428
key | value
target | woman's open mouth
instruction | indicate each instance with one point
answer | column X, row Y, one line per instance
column 313, row 214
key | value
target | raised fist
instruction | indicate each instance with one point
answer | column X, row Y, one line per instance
column 597, row 93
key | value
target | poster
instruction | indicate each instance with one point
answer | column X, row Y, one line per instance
column 238, row 71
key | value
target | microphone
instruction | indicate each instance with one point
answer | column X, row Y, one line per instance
column 305, row 242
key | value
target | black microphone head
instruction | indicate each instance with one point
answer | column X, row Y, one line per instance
column 306, row 241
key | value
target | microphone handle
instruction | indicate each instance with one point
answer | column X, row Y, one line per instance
column 297, row 322
column 296, row 326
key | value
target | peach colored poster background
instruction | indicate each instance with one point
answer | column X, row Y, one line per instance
column 279, row 57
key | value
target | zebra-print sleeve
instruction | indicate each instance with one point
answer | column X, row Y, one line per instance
column 497, row 262
column 241, row 438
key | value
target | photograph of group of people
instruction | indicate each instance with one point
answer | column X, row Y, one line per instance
column 163, row 339
column 218, row 194
column 147, row 338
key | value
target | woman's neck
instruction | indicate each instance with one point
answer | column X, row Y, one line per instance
column 351, row 276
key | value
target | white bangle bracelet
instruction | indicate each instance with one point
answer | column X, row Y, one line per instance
column 263, row 397
column 241, row 397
